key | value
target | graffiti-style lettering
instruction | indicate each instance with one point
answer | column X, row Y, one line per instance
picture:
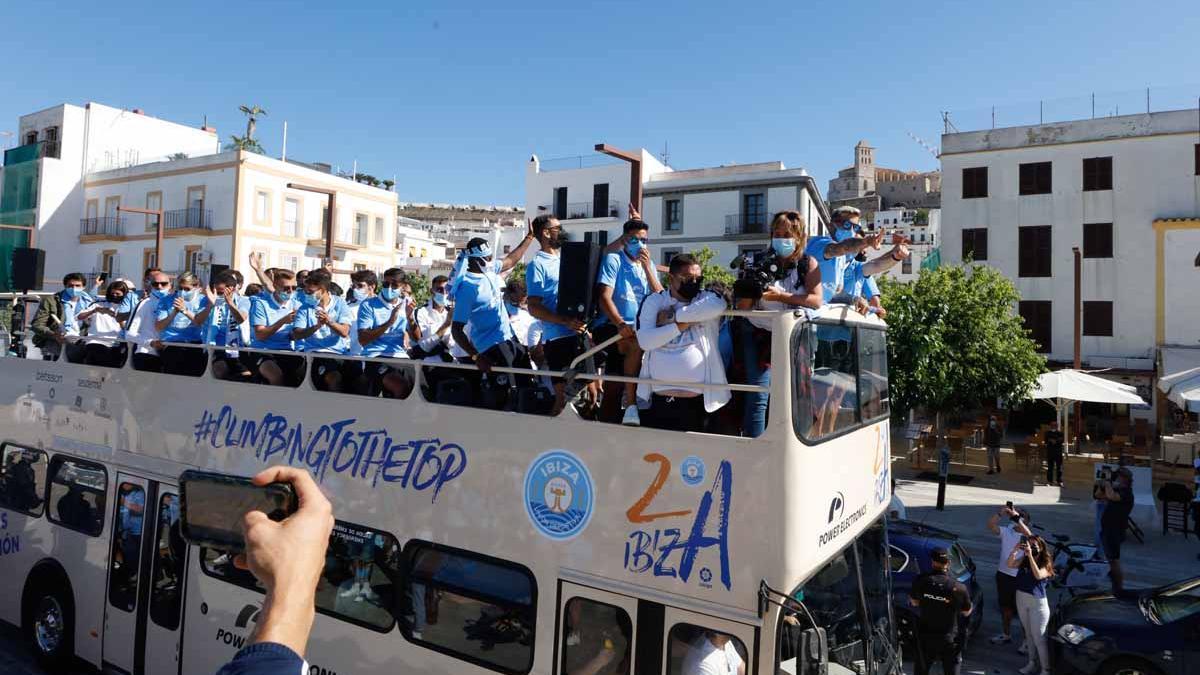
column 654, row 550
column 637, row 512
column 367, row 454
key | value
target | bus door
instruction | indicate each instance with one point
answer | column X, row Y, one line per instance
column 596, row 631
column 701, row 643
column 145, row 579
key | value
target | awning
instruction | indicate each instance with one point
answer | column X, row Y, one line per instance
column 1075, row 385
column 1179, row 376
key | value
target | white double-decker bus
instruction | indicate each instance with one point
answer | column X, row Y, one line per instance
column 467, row 540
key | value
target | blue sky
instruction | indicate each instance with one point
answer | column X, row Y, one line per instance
column 451, row 98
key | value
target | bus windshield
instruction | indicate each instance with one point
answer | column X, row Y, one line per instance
column 850, row 597
column 839, row 378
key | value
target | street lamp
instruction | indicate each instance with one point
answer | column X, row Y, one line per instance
column 158, row 230
column 635, row 171
column 332, row 195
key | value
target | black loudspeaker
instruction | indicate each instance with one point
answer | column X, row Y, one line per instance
column 577, row 271
column 215, row 269
column 28, row 268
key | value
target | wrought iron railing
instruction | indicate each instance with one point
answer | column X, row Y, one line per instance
column 188, row 219
column 104, row 225
column 746, row 223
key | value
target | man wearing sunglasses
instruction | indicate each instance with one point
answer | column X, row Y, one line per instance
column 141, row 330
column 626, row 278
column 271, row 317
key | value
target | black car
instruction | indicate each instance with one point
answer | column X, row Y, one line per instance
column 911, row 543
column 1150, row 632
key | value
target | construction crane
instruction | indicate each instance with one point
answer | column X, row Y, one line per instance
column 936, row 152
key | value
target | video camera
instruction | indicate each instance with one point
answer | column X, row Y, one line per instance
column 757, row 270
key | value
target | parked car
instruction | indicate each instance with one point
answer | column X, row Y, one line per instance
column 911, row 543
column 1151, row 632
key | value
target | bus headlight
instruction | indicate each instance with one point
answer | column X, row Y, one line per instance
column 1074, row 634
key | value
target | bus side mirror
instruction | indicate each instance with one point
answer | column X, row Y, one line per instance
column 813, row 653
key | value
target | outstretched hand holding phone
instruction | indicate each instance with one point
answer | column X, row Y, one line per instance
column 288, row 557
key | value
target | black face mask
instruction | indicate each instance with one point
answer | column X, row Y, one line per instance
column 690, row 289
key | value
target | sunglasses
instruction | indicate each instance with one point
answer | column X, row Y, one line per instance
column 286, row 289
column 160, row 284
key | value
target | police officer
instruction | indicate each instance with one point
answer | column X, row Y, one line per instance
column 942, row 600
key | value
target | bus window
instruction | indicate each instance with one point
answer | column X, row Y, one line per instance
column 872, row 373
column 361, row 569
column 169, row 553
column 596, row 638
column 833, row 598
column 358, row 584
column 77, row 494
column 127, row 547
column 23, row 480
column 693, row 650
column 469, row 606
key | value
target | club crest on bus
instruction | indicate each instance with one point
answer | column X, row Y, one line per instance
column 692, row 470
column 559, row 494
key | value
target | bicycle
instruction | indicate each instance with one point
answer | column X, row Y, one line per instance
column 1077, row 569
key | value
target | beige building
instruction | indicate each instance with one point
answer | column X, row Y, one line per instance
column 870, row 188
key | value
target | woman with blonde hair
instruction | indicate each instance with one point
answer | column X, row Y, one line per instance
column 800, row 287
column 1035, row 568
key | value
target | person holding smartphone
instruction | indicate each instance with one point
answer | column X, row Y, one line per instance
column 1034, row 568
column 287, row 557
column 1010, row 524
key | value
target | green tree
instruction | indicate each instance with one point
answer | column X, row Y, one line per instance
column 713, row 271
column 244, row 143
column 420, row 287
column 517, row 273
column 955, row 341
column 252, row 113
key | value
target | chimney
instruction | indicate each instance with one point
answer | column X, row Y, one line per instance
column 211, row 130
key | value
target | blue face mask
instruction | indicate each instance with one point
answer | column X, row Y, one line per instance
column 159, row 293
column 188, row 296
column 440, row 298
column 389, row 294
column 360, row 294
column 308, row 300
column 72, row 293
column 783, row 246
column 844, row 232
column 284, row 296
column 633, row 247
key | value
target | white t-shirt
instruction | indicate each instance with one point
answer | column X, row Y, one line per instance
column 102, row 325
column 680, row 360
column 521, row 322
column 705, row 658
column 537, row 330
column 1009, row 539
column 429, row 320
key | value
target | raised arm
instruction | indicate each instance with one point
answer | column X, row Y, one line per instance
column 853, row 245
column 885, row 262
column 514, row 256
column 263, row 279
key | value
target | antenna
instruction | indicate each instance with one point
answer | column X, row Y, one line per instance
column 666, row 154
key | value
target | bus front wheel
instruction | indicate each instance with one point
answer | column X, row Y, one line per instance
column 50, row 627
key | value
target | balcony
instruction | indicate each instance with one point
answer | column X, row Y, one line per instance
column 106, row 226
column 580, row 210
column 746, row 224
column 188, row 219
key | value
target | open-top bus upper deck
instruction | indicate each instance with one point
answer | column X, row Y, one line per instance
column 696, row 522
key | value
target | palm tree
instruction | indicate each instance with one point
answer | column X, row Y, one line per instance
column 252, row 114
column 388, row 183
column 244, row 143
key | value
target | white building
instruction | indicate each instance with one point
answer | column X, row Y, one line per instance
column 923, row 229
column 1126, row 191
column 218, row 206
column 726, row 208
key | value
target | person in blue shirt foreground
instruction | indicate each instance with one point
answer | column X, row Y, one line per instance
column 383, row 322
column 481, row 322
column 287, row 557
column 271, row 317
column 179, row 319
column 561, row 333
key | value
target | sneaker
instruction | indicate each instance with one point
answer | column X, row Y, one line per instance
column 370, row 594
column 416, row 634
column 1029, row 669
column 350, row 590
column 631, row 418
column 573, row 639
column 1023, row 650
column 1000, row 639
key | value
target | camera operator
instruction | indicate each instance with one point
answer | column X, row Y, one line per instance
column 287, row 557
column 781, row 278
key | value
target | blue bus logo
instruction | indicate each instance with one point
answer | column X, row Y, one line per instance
column 559, row 495
column 692, row 470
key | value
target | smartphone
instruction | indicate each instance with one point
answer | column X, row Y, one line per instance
column 211, row 507
column 102, row 277
column 1008, row 504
